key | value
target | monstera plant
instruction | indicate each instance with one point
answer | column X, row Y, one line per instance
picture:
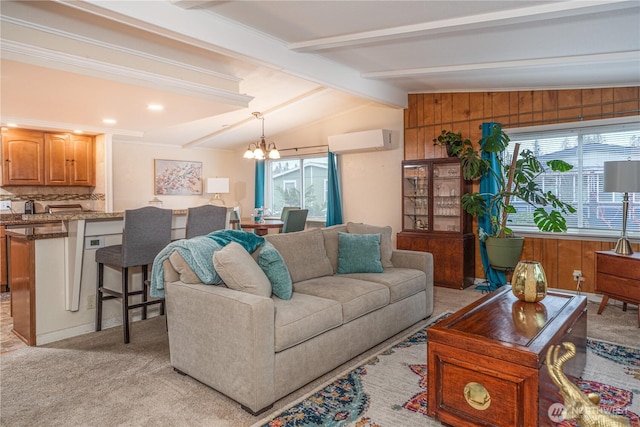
column 515, row 180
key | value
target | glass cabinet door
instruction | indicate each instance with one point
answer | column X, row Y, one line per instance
column 446, row 197
column 415, row 184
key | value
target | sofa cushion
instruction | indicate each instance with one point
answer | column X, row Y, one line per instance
column 271, row 262
column 386, row 248
column 359, row 253
column 304, row 253
column 303, row 317
column 239, row 271
column 186, row 273
column 356, row 296
column 402, row 282
column 331, row 243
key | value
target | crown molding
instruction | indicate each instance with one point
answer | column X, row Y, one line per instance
column 66, row 62
column 26, row 123
column 116, row 48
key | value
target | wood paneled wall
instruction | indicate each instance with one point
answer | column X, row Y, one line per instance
column 430, row 113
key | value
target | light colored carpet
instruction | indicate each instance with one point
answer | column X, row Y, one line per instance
column 97, row 380
column 390, row 389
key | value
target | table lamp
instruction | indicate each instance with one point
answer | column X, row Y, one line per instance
column 622, row 177
column 217, row 186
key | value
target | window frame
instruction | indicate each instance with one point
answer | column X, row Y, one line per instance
column 301, row 159
column 579, row 128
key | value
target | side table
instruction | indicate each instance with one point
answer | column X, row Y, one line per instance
column 618, row 277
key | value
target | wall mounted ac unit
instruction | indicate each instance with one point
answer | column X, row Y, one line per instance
column 355, row 142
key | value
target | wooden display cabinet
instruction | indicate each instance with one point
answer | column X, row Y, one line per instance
column 434, row 222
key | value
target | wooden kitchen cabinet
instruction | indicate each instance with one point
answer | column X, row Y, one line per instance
column 22, row 157
column 50, row 159
column 23, row 289
column 4, row 281
column 434, row 222
column 69, row 159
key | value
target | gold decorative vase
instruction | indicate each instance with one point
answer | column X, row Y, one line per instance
column 529, row 282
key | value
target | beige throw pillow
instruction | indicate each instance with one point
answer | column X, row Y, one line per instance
column 186, row 273
column 386, row 249
column 239, row 270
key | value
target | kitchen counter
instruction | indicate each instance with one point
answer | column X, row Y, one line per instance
column 40, row 231
column 43, row 218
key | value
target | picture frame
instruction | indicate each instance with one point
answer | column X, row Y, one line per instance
column 177, row 177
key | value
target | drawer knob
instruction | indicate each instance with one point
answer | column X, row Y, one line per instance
column 477, row 396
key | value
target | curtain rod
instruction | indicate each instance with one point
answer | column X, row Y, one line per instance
column 304, row 148
column 578, row 118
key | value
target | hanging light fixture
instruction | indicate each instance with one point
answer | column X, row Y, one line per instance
column 258, row 150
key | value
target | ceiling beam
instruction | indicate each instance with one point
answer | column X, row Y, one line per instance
column 210, row 31
column 539, row 62
column 521, row 15
column 271, row 110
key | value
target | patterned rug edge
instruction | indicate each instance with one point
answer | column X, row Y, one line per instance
column 430, row 321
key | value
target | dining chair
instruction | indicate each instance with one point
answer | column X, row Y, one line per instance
column 286, row 209
column 234, row 218
column 295, row 220
column 202, row 220
column 146, row 232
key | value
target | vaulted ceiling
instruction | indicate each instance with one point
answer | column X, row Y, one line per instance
column 70, row 64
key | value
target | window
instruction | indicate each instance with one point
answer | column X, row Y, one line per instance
column 586, row 148
column 299, row 181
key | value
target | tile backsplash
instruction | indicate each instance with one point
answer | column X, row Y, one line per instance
column 51, row 196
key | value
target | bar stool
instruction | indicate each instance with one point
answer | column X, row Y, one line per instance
column 146, row 232
column 203, row 220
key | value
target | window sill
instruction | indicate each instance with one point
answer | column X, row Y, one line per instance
column 574, row 234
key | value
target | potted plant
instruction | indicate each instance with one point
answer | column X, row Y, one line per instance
column 516, row 179
column 452, row 141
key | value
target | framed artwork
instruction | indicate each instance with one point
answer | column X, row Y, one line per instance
column 177, row 177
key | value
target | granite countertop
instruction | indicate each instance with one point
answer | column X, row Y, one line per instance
column 45, row 218
column 37, row 232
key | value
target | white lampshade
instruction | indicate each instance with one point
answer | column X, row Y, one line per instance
column 622, row 176
column 217, row 185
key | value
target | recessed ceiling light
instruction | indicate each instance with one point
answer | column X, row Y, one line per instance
column 109, row 121
column 78, row 131
column 155, row 107
column 12, row 125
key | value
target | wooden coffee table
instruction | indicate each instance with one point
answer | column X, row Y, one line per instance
column 486, row 362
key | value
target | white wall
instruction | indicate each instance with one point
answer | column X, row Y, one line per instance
column 133, row 175
column 370, row 182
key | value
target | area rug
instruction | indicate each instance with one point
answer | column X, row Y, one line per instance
column 390, row 389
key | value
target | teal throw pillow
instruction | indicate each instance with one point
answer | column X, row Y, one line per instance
column 359, row 253
column 271, row 262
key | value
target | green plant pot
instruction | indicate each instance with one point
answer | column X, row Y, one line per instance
column 504, row 253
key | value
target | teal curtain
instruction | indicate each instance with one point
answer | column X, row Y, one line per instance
column 334, row 205
column 488, row 184
column 259, row 184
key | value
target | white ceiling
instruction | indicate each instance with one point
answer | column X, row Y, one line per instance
column 69, row 64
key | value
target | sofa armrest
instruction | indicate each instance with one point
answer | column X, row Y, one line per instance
column 418, row 260
column 223, row 338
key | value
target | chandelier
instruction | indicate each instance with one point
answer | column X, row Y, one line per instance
column 258, row 150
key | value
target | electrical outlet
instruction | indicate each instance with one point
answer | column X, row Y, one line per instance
column 91, row 301
column 5, row 205
column 577, row 275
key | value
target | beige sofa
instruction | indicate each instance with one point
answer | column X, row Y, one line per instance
column 256, row 349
